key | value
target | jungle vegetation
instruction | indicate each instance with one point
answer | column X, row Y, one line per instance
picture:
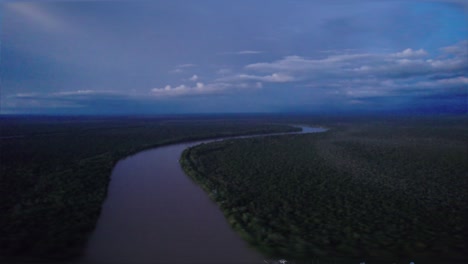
column 54, row 172
column 386, row 190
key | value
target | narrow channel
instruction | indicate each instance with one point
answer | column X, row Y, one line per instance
column 154, row 213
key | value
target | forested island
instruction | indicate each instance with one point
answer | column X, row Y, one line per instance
column 54, row 172
column 387, row 190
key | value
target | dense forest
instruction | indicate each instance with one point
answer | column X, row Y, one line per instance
column 54, row 172
column 389, row 190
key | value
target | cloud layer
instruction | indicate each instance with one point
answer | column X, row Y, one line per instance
column 166, row 56
column 352, row 75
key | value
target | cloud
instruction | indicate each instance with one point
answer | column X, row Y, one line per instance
column 223, row 71
column 25, row 95
column 176, row 71
column 350, row 58
column 182, row 67
column 63, row 99
column 187, row 65
column 181, row 90
column 357, row 74
column 410, row 72
column 242, row 52
column 87, row 93
column 78, row 92
column 408, row 53
column 246, row 52
column 298, row 63
column 461, row 82
column 349, row 74
column 216, row 87
column 256, row 80
column 405, row 64
column 289, row 63
column 275, row 78
column 372, row 88
column 458, row 49
column 65, row 94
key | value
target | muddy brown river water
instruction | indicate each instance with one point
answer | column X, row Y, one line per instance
column 154, row 213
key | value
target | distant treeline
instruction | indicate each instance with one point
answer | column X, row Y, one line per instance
column 54, row 173
column 387, row 190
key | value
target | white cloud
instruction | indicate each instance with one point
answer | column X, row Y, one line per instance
column 362, row 74
column 460, row 81
column 78, row 92
column 186, row 65
column 181, row 90
column 242, row 52
column 246, row 52
column 404, row 64
column 376, row 87
column 365, row 92
column 459, row 49
column 250, row 78
column 194, row 78
column 289, row 63
column 87, row 92
column 25, row 95
column 409, row 53
column 68, row 94
column 224, row 71
column 298, row 63
column 67, row 99
column 182, row 67
column 176, row 71
column 217, row 87
column 275, row 78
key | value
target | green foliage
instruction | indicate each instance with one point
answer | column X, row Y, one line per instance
column 54, row 173
column 383, row 190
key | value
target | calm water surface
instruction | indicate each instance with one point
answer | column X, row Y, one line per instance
column 154, row 213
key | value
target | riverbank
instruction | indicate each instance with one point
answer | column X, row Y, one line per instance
column 375, row 192
column 153, row 211
column 53, row 185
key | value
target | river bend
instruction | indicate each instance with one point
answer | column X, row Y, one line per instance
column 154, row 213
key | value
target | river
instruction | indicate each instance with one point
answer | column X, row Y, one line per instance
column 154, row 213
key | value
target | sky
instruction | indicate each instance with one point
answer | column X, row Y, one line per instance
column 243, row 56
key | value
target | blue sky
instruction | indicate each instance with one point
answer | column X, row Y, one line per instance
column 211, row 56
